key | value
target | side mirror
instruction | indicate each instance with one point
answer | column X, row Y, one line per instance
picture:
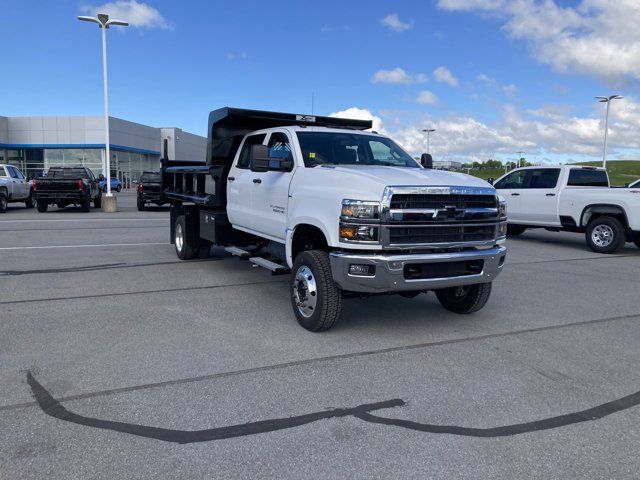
column 260, row 160
column 490, row 180
column 426, row 160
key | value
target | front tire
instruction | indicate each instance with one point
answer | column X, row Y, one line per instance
column 514, row 230
column 42, row 206
column 605, row 235
column 464, row 299
column 315, row 298
column 184, row 246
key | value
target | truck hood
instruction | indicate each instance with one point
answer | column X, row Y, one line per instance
column 394, row 176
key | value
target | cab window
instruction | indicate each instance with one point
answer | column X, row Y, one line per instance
column 244, row 161
column 3, row 172
column 514, row 180
column 280, row 147
column 543, row 178
column 587, row 178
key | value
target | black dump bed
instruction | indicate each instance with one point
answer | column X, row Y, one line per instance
column 206, row 184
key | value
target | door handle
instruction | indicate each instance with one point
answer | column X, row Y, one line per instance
column 231, row 179
column 257, row 180
column 515, row 194
column 551, row 195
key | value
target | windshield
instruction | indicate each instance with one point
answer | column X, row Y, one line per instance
column 331, row 148
column 57, row 172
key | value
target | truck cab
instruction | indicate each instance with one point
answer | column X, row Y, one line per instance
column 342, row 210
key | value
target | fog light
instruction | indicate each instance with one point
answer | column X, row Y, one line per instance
column 362, row 270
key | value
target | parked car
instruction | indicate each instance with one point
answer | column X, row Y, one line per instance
column 116, row 184
column 339, row 209
column 572, row 198
column 150, row 190
column 64, row 186
column 14, row 188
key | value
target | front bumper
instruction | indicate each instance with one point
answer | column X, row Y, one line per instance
column 390, row 273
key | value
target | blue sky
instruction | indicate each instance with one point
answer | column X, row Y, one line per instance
column 493, row 77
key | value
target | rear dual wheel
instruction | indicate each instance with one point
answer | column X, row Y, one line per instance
column 188, row 248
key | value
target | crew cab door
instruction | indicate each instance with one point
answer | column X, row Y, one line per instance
column 240, row 185
column 271, row 190
column 539, row 198
column 511, row 188
column 20, row 185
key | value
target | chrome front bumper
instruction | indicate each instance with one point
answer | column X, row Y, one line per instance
column 389, row 270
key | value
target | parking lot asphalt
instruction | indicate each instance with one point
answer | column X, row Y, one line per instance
column 119, row 361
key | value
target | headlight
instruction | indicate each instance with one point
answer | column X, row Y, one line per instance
column 358, row 233
column 503, row 208
column 359, row 210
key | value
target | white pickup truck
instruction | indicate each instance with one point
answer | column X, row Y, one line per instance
column 14, row 187
column 341, row 210
column 572, row 198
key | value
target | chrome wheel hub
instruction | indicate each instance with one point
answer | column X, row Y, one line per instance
column 179, row 237
column 305, row 291
column 602, row 235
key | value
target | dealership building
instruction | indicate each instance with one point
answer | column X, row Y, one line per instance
column 33, row 144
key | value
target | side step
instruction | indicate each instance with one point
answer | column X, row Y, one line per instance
column 275, row 268
column 238, row 252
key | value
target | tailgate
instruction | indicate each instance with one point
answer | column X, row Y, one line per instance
column 61, row 185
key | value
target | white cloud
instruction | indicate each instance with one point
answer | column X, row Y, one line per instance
column 393, row 22
column 137, row 14
column 361, row 114
column 510, row 90
column 549, row 130
column 444, row 75
column 486, row 79
column 600, row 38
column 425, row 97
column 398, row 76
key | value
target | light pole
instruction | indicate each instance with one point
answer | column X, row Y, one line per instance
column 104, row 22
column 428, row 132
column 606, row 100
column 520, row 156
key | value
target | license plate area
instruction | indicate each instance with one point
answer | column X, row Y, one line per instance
column 424, row 271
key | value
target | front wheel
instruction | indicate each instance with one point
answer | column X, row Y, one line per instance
column 464, row 299
column 605, row 235
column 315, row 297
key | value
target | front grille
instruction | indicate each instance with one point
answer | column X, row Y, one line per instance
column 434, row 201
column 442, row 234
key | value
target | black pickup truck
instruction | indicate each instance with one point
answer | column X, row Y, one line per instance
column 150, row 190
column 64, row 186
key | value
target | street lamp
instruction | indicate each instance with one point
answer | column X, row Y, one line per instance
column 606, row 100
column 104, row 22
column 520, row 157
column 428, row 132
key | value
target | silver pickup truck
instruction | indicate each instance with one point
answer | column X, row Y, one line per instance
column 14, row 188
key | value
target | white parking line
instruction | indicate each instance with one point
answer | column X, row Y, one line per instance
column 81, row 246
column 87, row 220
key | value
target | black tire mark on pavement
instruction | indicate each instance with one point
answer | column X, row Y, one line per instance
column 106, row 266
column 53, row 408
